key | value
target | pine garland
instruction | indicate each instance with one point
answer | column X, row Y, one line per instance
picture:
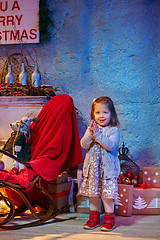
column 17, row 89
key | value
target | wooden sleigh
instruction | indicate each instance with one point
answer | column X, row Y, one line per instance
column 55, row 148
column 7, row 218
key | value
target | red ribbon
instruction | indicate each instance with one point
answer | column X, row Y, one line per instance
column 61, row 194
column 144, row 186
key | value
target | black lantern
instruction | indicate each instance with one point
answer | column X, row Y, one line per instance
column 126, row 163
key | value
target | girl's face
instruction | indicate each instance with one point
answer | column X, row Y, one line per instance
column 102, row 115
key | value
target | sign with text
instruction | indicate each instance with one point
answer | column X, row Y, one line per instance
column 19, row 21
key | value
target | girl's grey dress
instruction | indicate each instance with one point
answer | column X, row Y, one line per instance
column 101, row 166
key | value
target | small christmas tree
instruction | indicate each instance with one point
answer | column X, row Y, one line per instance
column 140, row 203
column 118, row 201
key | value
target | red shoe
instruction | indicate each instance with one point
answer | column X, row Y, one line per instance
column 94, row 220
column 109, row 222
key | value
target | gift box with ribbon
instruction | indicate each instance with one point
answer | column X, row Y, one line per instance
column 146, row 199
column 60, row 193
column 63, row 177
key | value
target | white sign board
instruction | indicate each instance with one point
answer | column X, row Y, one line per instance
column 19, row 21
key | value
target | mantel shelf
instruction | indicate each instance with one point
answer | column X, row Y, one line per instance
column 25, row 101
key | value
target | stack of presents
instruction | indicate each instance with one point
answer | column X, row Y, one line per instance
column 143, row 198
column 135, row 196
column 138, row 192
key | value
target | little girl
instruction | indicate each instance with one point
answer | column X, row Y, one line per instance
column 101, row 166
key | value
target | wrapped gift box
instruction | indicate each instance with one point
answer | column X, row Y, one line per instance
column 151, row 176
column 123, row 204
column 146, row 201
column 61, row 178
column 60, row 193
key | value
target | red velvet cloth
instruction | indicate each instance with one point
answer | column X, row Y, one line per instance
column 55, row 139
column 55, row 145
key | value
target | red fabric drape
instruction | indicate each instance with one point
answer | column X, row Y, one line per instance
column 55, row 145
column 55, row 140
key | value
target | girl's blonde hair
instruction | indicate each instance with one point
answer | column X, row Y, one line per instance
column 107, row 101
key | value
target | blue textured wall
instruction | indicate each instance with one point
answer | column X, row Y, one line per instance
column 109, row 47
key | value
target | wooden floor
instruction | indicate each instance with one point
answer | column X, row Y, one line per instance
column 70, row 226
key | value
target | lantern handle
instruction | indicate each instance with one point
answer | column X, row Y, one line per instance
column 123, row 149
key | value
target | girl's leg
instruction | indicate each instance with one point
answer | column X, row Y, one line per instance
column 109, row 218
column 94, row 204
column 94, row 217
column 108, row 204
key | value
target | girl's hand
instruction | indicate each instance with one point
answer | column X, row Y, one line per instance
column 91, row 127
column 95, row 128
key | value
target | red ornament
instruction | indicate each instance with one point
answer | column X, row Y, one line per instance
column 135, row 176
column 128, row 174
column 121, row 175
column 119, row 180
column 122, row 172
column 134, row 181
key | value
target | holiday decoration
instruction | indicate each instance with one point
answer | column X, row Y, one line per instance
column 146, row 201
column 145, row 198
column 151, row 176
column 63, row 177
column 59, row 191
column 119, row 180
column 123, row 205
column 9, row 78
column 126, row 180
column 135, row 176
column 36, row 76
column 23, row 76
column 121, row 175
column 130, row 171
column 17, row 89
column 134, row 182
column 16, row 144
column 128, row 174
